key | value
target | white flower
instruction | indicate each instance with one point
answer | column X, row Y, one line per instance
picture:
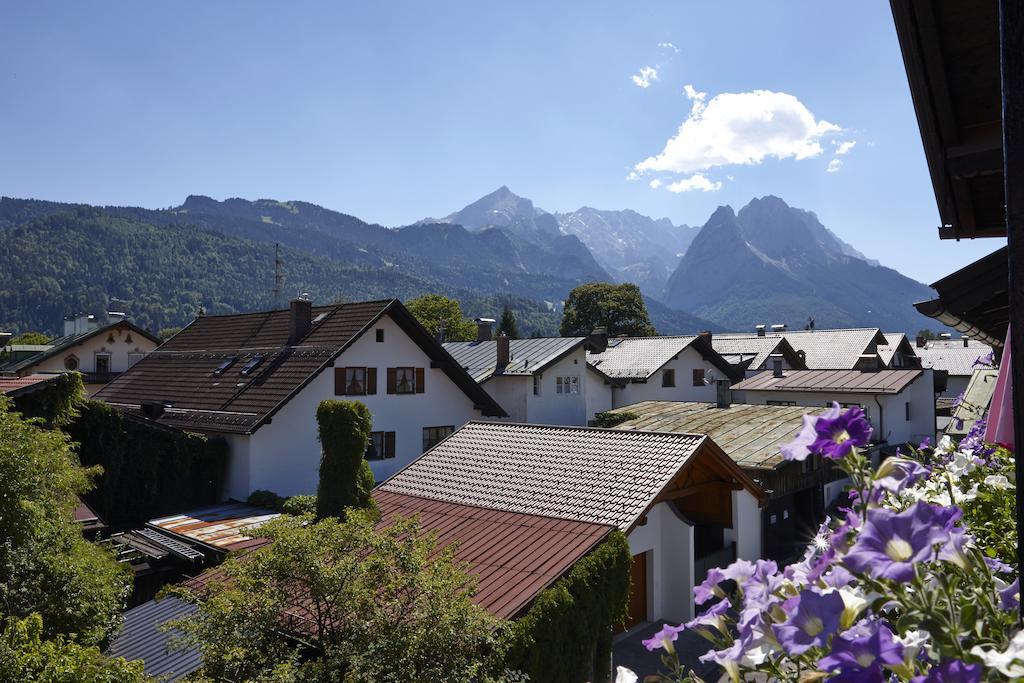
column 945, row 445
column 624, row 675
column 998, row 481
column 1009, row 663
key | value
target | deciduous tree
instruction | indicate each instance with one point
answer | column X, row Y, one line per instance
column 436, row 312
column 618, row 308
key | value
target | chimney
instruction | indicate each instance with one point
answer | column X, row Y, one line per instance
column 760, row 330
column 706, row 336
column 946, row 336
column 920, row 342
column 779, row 329
column 776, row 359
column 501, row 362
column 483, row 329
column 965, row 342
column 723, row 394
column 440, row 336
column 300, row 319
column 597, row 341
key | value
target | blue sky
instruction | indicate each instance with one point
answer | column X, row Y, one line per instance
column 397, row 111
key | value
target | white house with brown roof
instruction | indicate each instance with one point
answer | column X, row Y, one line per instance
column 683, row 504
column 900, row 404
column 257, row 378
column 958, row 358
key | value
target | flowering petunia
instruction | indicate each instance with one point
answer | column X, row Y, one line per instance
column 708, row 588
column 800, row 448
column 953, row 550
column 729, row 659
column 624, row 675
column 895, row 474
column 891, row 543
column 951, row 671
column 813, row 617
column 837, row 436
column 713, row 617
column 1010, row 662
column 1009, row 597
column 664, row 638
column 862, row 658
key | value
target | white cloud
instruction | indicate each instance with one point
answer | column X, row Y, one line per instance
column 844, row 147
column 668, row 46
column 698, row 181
column 655, row 184
column 647, row 75
column 738, row 129
column 834, row 165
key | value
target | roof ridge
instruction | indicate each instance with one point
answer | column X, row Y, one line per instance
column 583, row 429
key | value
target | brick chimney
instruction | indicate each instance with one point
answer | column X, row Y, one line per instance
column 760, row 330
column 503, row 357
column 597, row 341
column 920, row 342
column 484, row 328
column 776, row 359
column 300, row 319
column 706, row 336
column 965, row 342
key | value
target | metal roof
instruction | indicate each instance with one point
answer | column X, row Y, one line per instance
column 142, row 638
column 832, row 381
column 513, row 555
column 219, row 526
column 975, row 402
column 749, row 434
column 638, row 357
column 957, row 360
column 526, row 356
column 603, row 476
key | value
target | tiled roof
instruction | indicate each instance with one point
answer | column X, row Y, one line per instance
column 956, row 360
column 11, row 385
column 181, row 372
column 526, row 356
column 832, row 381
column 835, row 349
column 220, row 526
column 739, row 348
column 602, row 476
column 749, row 434
column 61, row 344
column 888, row 350
column 142, row 638
column 637, row 357
column 513, row 556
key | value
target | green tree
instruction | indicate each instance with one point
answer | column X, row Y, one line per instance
column 345, row 477
column 381, row 605
column 31, row 338
column 26, row 656
column 46, row 566
column 168, row 332
column 618, row 308
column 507, row 325
column 434, row 311
column 927, row 334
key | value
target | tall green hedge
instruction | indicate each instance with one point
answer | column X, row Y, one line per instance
column 148, row 470
column 566, row 636
column 345, row 477
column 56, row 402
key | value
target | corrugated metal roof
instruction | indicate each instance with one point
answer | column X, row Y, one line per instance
column 603, row 476
column 832, row 381
column 957, row 360
column 975, row 402
column 513, row 556
column 141, row 638
column 526, row 355
column 14, row 386
column 749, row 434
column 637, row 357
column 220, row 526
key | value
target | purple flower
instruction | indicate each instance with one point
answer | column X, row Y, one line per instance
column 997, row 565
column 812, row 619
column 890, row 544
column 708, row 588
column 953, row 550
column 837, row 436
column 951, row 671
column 800, row 448
column 861, row 658
column 713, row 617
column 1009, row 597
column 663, row 638
column 927, row 443
column 895, row 474
column 986, row 361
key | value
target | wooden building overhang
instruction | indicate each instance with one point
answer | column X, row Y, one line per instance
column 951, row 53
column 974, row 300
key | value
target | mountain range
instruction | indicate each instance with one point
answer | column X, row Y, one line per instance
column 768, row 263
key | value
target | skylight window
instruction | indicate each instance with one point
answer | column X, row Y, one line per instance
column 319, row 317
column 252, row 364
column 224, row 365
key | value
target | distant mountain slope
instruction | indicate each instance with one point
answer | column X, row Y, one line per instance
column 772, row 263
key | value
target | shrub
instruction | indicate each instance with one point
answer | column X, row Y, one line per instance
column 345, row 477
column 609, row 419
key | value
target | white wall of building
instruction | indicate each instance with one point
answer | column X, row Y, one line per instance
column 746, row 527
column 684, row 390
column 122, row 353
column 284, row 455
column 956, row 385
column 548, row 406
column 599, row 394
column 668, row 541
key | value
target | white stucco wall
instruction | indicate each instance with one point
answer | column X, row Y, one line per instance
column 599, row 394
column 668, row 542
column 284, row 456
column 684, row 365
column 510, row 393
column 87, row 350
column 956, row 385
column 550, row 407
column 746, row 528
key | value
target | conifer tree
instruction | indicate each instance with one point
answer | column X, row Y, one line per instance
column 507, row 325
column 345, row 476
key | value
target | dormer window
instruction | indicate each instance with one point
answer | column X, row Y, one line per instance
column 224, row 365
column 252, row 364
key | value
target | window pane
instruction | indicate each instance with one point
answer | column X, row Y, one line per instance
column 405, row 380
column 355, row 380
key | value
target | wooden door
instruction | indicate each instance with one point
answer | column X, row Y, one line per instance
column 637, row 591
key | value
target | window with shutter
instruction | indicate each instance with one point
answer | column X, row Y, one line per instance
column 405, row 380
column 355, row 381
column 381, row 446
column 371, row 380
column 392, row 380
column 339, row 381
column 420, row 384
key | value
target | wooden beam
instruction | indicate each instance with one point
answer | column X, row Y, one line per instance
column 1011, row 48
column 715, row 486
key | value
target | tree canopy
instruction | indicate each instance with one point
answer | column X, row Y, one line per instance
column 507, row 325
column 618, row 308
column 379, row 605
column 345, row 477
column 31, row 338
column 434, row 310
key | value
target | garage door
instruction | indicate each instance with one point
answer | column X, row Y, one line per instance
column 638, row 591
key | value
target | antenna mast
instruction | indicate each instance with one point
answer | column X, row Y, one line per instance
column 278, row 276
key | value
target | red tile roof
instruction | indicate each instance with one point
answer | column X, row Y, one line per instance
column 14, row 386
column 832, row 381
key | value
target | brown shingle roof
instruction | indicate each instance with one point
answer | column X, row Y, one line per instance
column 11, row 385
column 832, row 381
column 181, row 373
column 603, row 476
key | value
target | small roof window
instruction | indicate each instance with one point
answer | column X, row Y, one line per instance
column 252, row 364
column 224, row 365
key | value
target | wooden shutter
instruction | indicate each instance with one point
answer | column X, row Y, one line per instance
column 339, row 381
column 389, row 444
column 371, row 380
column 391, row 380
column 419, row 380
